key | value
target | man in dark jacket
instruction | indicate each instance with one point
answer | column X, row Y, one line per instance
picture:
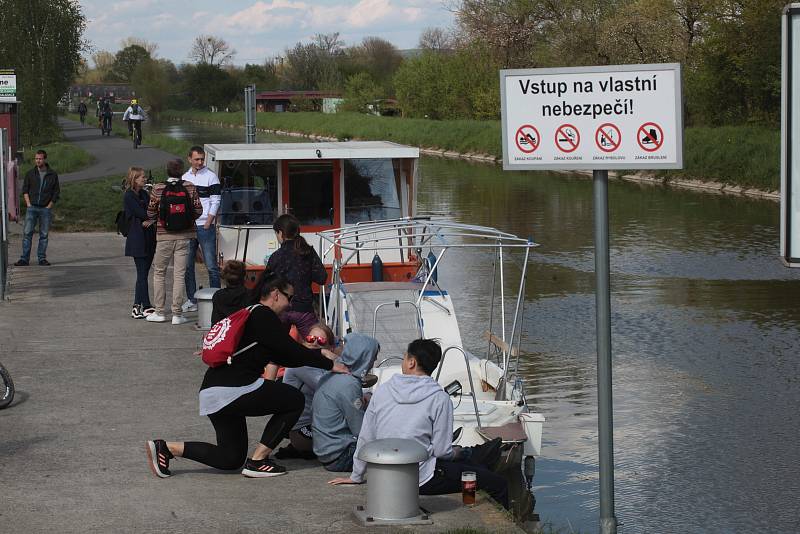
column 40, row 190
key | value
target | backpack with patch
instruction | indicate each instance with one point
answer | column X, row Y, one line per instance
column 219, row 344
column 123, row 223
column 175, row 208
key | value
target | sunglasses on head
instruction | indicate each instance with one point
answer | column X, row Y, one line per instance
column 322, row 340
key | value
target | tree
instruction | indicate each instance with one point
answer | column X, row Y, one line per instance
column 151, row 48
column 42, row 40
column 126, row 61
column 377, row 57
column 360, row 90
column 208, row 85
column 435, row 39
column 313, row 66
column 152, row 85
column 211, row 50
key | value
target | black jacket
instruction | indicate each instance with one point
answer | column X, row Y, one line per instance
column 300, row 271
column 273, row 345
column 50, row 190
column 230, row 300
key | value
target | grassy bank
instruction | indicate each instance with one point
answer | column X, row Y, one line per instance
column 747, row 156
column 62, row 157
column 120, row 129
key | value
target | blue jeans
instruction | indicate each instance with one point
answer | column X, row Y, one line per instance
column 344, row 462
column 43, row 215
column 142, row 293
column 208, row 243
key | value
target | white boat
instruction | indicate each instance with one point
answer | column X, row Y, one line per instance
column 356, row 202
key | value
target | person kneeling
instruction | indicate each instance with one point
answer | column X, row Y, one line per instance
column 412, row 405
column 338, row 405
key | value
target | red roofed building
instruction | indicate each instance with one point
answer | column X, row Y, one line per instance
column 288, row 100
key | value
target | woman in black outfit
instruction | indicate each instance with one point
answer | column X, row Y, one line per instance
column 141, row 240
column 234, row 296
column 230, row 393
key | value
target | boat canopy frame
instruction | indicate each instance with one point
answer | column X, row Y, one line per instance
column 410, row 235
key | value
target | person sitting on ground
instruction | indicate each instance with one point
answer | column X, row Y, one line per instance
column 300, row 264
column 306, row 379
column 338, row 405
column 413, row 405
column 231, row 393
column 234, row 296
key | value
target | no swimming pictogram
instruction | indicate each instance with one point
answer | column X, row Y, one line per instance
column 567, row 138
column 608, row 137
column 527, row 138
column 650, row 136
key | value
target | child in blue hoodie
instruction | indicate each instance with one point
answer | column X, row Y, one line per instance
column 337, row 409
column 413, row 405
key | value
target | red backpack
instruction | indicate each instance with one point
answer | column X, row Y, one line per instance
column 219, row 344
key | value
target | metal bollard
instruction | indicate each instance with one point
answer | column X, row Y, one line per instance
column 204, row 307
column 392, row 483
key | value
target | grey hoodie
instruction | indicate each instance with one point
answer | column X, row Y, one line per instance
column 409, row 406
column 337, row 408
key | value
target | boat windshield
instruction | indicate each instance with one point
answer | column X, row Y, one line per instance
column 249, row 192
column 371, row 190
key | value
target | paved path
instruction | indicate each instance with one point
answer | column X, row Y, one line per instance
column 113, row 155
column 94, row 384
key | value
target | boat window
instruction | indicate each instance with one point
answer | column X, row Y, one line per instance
column 249, row 192
column 370, row 190
column 311, row 192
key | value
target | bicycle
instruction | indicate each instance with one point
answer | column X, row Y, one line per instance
column 136, row 133
column 106, row 125
column 6, row 388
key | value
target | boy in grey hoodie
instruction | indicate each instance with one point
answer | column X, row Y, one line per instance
column 337, row 409
column 413, row 405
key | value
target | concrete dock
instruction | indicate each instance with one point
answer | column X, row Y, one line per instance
column 93, row 384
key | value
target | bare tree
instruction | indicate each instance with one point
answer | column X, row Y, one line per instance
column 211, row 50
column 103, row 60
column 435, row 39
column 151, row 48
column 328, row 43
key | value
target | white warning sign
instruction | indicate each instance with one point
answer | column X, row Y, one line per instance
column 631, row 114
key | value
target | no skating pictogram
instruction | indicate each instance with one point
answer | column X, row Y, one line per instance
column 567, row 138
column 608, row 137
column 650, row 136
column 527, row 138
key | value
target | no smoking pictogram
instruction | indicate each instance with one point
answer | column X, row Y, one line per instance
column 567, row 138
column 608, row 137
column 650, row 136
column 527, row 138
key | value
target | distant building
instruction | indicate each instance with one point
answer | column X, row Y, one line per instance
column 114, row 91
column 279, row 101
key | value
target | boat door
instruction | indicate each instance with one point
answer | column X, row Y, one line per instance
column 311, row 193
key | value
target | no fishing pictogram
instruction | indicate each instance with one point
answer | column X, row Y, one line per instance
column 608, row 137
column 650, row 136
column 527, row 138
column 567, row 138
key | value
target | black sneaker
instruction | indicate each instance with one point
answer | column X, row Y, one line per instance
column 262, row 468
column 21, row 263
column 136, row 312
column 44, row 262
column 158, row 456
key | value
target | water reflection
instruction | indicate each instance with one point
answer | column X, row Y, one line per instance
column 705, row 326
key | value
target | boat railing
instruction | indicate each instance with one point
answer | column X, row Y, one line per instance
column 396, row 304
column 469, row 376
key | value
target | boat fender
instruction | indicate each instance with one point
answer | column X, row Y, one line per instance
column 377, row 269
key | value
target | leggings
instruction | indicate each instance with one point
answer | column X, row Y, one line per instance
column 283, row 402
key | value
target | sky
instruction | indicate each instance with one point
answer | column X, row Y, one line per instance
column 257, row 29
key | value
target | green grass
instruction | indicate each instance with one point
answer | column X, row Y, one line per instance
column 160, row 141
column 62, row 157
column 748, row 156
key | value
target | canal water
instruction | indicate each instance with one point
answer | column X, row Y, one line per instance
column 705, row 325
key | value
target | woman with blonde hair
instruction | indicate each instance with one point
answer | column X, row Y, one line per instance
column 141, row 240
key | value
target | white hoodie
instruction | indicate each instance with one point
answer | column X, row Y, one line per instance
column 410, row 407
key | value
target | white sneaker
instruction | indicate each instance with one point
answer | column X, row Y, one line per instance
column 179, row 319
column 156, row 318
column 189, row 306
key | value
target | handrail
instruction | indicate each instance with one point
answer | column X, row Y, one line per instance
column 396, row 305
column 388, row 359
column 469, row 375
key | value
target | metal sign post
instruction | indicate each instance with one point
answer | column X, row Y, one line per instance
column 790, row 131
column 598, row 118
column 250, row 114
column 3, row 214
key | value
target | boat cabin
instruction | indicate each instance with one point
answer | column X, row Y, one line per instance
column 325, row 185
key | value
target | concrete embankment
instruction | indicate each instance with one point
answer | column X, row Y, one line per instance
column 94, row 384
column 638, row 177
